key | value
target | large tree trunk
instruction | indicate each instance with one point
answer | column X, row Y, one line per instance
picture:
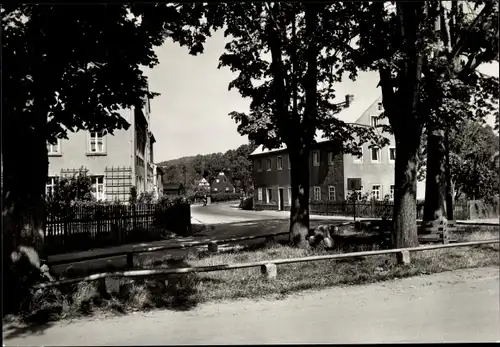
column 23, row 215
column 405, row 195
column 299, row 214
column 299, row 150
column 435, row 185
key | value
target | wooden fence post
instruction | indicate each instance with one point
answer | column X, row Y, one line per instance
column 212, row 247
column 130, row 260
column 134, row 222
column 354, row 209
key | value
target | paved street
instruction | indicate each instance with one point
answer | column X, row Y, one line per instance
column 228, row 212
column 458, row 306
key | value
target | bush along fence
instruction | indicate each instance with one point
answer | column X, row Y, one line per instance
column 80, row 227
column 376, row 209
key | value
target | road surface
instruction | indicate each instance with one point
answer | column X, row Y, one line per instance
column 459, row 306
column 228, row 212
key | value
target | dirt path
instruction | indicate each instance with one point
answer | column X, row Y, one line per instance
column 459, row 306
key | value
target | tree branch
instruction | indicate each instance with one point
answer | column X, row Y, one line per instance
column 459, row 47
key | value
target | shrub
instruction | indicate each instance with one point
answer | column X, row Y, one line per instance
column 70, row 190
column 133, row 195
column 146, row 198
column 220, row 197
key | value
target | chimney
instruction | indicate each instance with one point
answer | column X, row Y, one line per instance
column 349, row 99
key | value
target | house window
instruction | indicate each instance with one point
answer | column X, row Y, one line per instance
column 280, row 163
column 96, row 142
column 54, row 149
column 376, row 192
column 317, row 193
column 357, row 159
column 331, row 192
column 268, row 164
column 380, row 106
column 375, row 154
column 98, row 187
column 259, row 194
column 391, row 192
column 392, row 154
column 269, row 195
column 374, row 121
column 330, row 158
column 259, row 165
column 51, row 184
column 315, row 158
column 290, row 195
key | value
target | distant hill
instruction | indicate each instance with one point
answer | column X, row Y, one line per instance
column 188, row 170
column 177, row 161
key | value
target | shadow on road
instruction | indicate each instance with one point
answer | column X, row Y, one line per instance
column 13, row 330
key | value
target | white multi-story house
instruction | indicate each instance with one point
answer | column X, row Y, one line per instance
column 114, row 162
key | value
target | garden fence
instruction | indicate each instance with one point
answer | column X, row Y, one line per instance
column 79, row 228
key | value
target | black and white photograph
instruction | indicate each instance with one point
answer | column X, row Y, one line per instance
column 228, row 173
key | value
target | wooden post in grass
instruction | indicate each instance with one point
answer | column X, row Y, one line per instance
column 130, row 260
column 212, row 247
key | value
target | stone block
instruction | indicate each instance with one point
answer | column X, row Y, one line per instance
column 112, row 285
column 328, row 243
column 403, row 257
column 269, row 270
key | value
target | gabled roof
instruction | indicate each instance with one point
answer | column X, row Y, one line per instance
column 351, row 114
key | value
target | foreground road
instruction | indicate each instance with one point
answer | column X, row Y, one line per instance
column 459, row 306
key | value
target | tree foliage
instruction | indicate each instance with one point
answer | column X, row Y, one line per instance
column 414, row 47
column 288, row 57
column 474, row 161
column 69, row 68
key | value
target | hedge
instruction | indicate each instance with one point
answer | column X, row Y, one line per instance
column 219, row 197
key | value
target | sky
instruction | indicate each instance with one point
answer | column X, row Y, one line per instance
column 191, row 116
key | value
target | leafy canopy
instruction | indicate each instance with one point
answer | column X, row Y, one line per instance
column 78, row 65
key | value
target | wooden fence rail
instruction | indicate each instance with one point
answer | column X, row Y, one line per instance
column 268, row 267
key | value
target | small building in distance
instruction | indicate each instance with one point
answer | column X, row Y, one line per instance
column 222, row 184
